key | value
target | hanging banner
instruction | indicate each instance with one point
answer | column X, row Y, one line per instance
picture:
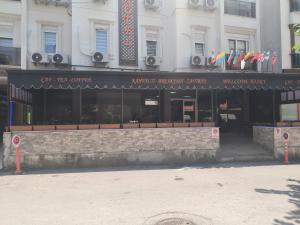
column 128, row 33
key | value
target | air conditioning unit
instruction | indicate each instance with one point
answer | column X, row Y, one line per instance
column 60, row 59
column 197, row 60
column 153, row 61
column 40, row 58
column 210, row 4
column 152, row 4
column 195, row 3
column 98, row 57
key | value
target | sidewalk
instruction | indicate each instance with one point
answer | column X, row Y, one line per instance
column 221, row 194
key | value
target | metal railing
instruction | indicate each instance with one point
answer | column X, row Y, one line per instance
column 240, row 8
column 10, row 56
column 295, row 57
column 294, row 5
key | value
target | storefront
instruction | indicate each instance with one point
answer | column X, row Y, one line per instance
column 110, row 97
column 108, row 118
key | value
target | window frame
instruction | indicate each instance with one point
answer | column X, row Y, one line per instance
column 107, row 40
column 44, row 41
column 203, row 48
column 147, row 47
column 44, row 26
column 198, row 36
column 95, row 25
column 151, row 33
column 236, row 40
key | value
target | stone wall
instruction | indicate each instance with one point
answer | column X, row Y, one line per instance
column 120, row 147
column 293, row 144
column 272, row 138
column 264, row 136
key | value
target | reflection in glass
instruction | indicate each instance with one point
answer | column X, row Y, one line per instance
column 141, row 106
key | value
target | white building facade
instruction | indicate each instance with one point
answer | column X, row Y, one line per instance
column 171, row 31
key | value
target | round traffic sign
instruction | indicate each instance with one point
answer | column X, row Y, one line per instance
column 286, row 136
column 16, row 140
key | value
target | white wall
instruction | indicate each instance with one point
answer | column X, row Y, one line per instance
column 10, row 14
column 285, row 34
column 174, row 20
column 39, row 15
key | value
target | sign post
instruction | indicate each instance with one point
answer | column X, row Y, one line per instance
column 16, row 140
column 286, row 147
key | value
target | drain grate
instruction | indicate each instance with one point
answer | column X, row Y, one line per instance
column 175, row 221
column 177, row 218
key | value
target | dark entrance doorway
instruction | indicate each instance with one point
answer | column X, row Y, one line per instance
column 183, row 110
column 237, row 112
column 232, row 110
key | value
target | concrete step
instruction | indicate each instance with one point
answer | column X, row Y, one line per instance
column 242, row 158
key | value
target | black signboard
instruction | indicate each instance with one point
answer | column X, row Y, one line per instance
column 150, row 80
column 128, row 33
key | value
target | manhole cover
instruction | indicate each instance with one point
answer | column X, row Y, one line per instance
column 175, row 221
column 177, row 218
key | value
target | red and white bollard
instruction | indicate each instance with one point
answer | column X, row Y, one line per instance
column 18, row 161
column 16, row 140
column 286, row 137
column 286, row 152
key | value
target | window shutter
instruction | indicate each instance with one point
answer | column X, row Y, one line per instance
column 6, row 42
column 50, row 42
column 101, row 41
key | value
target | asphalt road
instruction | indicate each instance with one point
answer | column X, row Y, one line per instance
column 226, row 195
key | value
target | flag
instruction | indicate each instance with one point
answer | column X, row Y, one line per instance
column 261, row 57
column 267, row 56
column 220, row 58
column 248, row 56
column 243, row 64
column 236, row 57
column 240, row 58
column 231, row 57
column 274, row 58
column 255, row 57
column 212, row 59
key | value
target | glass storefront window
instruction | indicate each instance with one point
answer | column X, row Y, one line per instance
column 109, row 106
column 101, row 106
column 141, row 106
column 204, row 106
column 59, row 106
column 289, row 112
column 89, row 107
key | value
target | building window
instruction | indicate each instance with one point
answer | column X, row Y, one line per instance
column 199, row 48
column 50, row 42
column 294, row 5
column 6, row 36
column 240, row 8
column 101, row 41
column 232, row 46
column 151, row 48
column 238, row 45
column 198, row 38
column 152, row 40
column 6, row 42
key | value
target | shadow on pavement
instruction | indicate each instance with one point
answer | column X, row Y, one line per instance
column 293, row 192
column 145, row 168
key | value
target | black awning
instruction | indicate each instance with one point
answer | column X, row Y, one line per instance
column 52, row 79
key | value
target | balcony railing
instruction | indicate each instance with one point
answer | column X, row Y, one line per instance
column 294, row 5
column 248, row 66
column 240, row 8
column 10, row 56
column 295, row 57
